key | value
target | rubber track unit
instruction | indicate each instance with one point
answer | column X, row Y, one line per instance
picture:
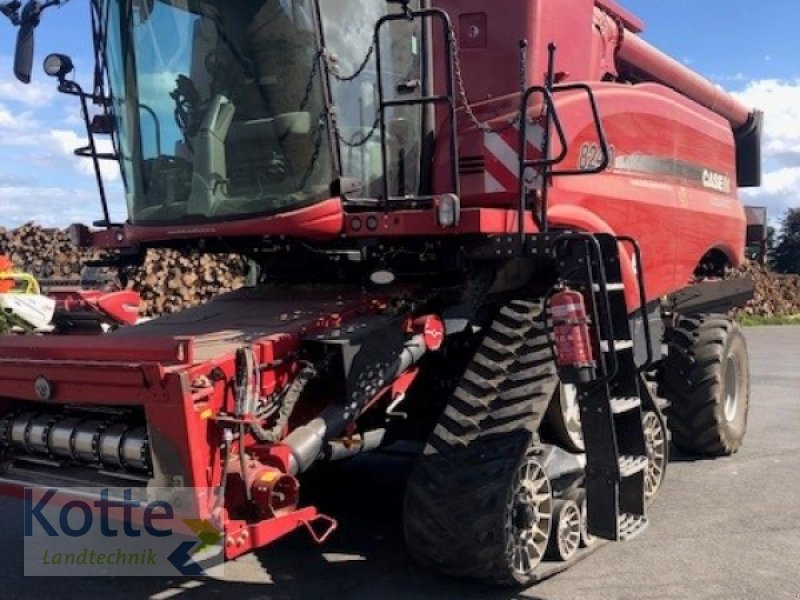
column 458, row 495
column 693, row 383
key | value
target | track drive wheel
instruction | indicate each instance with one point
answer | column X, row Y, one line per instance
column 657, row 443
column 565, row 536
column 706, row 379
column 578, row 496
column 478, row 502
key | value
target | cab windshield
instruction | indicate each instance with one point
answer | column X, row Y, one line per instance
column 219, row 108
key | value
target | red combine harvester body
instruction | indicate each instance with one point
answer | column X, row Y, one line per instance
column 471, row 225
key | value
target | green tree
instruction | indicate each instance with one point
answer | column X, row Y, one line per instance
column 786, row 257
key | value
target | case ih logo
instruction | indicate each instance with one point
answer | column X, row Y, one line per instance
column 117, row 532
column 716, row 181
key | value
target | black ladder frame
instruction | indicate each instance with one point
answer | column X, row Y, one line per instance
column 611, row 402
column 428, row 97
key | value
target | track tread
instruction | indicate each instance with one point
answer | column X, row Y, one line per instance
column 457, row 497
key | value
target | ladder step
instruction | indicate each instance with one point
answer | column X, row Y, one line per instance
column 618, row 345
column 623, row 405
column 629, row 465
column 630, row 526
column 611, row 287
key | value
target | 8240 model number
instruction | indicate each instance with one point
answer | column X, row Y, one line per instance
column 591, row 157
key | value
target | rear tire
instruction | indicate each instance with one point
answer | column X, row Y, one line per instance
column 706, row 379
column 478, row 502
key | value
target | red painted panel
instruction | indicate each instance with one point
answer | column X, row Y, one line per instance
column 474, row 30
column 318, row 221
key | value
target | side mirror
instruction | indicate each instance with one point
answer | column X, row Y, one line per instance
column 23, row 55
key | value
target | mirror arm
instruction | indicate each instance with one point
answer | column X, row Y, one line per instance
column 73, row 88
column 11, row 11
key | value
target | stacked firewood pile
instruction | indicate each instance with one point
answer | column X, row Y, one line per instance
column 168, row 281
column 775, row 295
column 44, row 253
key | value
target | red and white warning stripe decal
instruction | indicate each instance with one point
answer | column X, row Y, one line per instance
column 502, row 158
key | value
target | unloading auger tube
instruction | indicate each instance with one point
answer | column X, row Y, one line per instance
column 653, row 65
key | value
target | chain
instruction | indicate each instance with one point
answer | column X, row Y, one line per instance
column 364, row 138
column 310, row 83
column 361, row 68
column 332, row 69
column 461, row 88
column 315, row 155
column 462, row 91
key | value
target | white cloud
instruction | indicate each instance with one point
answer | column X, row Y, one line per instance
column 52, row 147
column 48, row 206
column 15, row 121
column 73, row 117
column 67, row 140
column 779, row 100
column 780, row 190
column 39, row 132
column 36, row 94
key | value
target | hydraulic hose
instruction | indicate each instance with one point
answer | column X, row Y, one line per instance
column 288, row 403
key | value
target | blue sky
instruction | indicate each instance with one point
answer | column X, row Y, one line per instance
column 749, row 47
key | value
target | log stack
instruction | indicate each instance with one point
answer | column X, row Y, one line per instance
column 44, row 253
column 168, row 281
column 776, row 295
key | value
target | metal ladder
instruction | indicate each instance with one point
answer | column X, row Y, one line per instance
column 610, row 404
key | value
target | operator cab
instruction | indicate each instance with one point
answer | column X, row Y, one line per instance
column 230, row 109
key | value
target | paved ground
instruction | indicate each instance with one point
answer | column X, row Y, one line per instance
column 727, row 529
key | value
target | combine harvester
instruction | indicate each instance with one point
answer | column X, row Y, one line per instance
column 473, row 225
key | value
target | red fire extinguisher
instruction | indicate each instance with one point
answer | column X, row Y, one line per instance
column 571, row 337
